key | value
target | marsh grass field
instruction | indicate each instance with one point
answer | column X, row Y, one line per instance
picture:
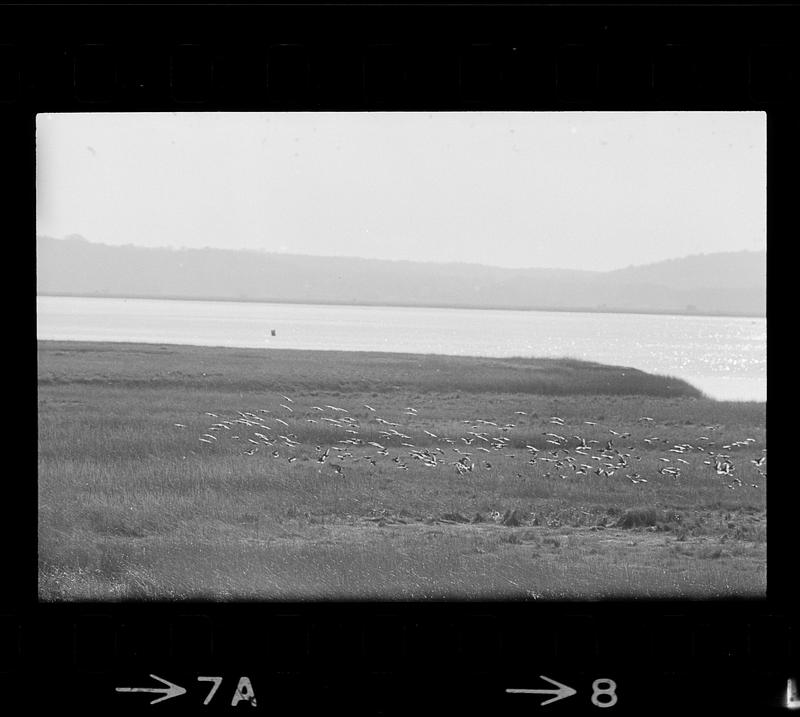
column 338, row 476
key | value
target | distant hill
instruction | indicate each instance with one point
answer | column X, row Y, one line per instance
column 743, row 269
column 732, row 283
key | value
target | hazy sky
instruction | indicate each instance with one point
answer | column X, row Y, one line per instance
column 578, row 190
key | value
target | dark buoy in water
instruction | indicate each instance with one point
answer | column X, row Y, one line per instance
column 272, row 332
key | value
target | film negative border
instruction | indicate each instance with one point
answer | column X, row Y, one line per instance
column 98, row 648
column 103, row 77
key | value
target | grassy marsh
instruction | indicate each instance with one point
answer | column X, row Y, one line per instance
column 134, row 507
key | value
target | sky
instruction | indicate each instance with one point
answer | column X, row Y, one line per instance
column 572, row 190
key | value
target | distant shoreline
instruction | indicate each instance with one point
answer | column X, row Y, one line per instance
column 409, row 305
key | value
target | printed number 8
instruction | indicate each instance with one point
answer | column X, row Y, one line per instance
column 604, row 687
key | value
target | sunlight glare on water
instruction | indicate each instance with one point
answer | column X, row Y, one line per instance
column 725, row 357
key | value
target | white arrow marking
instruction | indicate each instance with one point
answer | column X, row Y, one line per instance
column 169, row 691
column 560, row 693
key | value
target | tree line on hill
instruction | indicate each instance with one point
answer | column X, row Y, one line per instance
column 730, row 283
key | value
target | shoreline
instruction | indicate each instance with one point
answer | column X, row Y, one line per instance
column 466, row 362
column 163, row 365
column 409, row 305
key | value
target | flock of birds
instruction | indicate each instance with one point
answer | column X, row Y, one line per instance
column 264, row 431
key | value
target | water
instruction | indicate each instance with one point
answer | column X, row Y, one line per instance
column 724, row 357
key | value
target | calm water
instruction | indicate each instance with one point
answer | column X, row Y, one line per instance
column 724, row 357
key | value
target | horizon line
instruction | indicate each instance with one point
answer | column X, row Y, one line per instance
column 400, row 305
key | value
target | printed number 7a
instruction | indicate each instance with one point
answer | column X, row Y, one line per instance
column 244, row 690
